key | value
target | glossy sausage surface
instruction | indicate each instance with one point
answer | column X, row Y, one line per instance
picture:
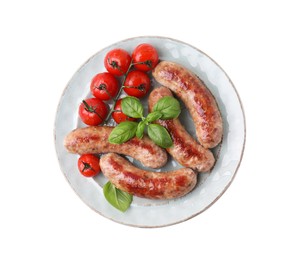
column 197, row 98
column 185, row 150
column 147, row 184
column 94, row 139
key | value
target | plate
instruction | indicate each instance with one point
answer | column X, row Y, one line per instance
column 145, row 212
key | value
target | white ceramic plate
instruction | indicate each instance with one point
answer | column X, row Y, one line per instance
column 154, row 213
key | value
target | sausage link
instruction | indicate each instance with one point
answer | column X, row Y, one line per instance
column 185, row 150
column 94, row 139
column 197, row 98
column 147, row 184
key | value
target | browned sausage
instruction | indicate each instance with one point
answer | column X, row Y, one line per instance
column 94, row 139
column 185, row 149
column 197, row 98
column 147, row 184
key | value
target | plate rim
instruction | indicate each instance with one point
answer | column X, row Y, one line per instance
column 233, row 174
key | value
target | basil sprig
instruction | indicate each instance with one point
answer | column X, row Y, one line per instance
column 123, row 132
column 116, row 197
column 153, row 116
column 165, row 108
column 169, row 107
column 140, row 129
column 132, row 107
column 159, row 135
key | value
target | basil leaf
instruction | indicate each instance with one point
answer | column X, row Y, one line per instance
column 140, row 129
column 132, row 107
column 123, row 132
column 168, row 106
column 159, row 135
column 116, row 197
column 153, row 116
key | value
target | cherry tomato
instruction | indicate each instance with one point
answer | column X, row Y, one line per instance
column 104, row 86
column 117, row 62
column 137, row 84
column 145, row 54
column 92, row 111
column 88, row 165
column 118, row 115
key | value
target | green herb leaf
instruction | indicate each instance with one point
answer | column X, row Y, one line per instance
column 159, row 135
column 168, row 106
column 116, row 197
column 153, row 116
column 140, row 129
column 123, row 132
column 132, row 107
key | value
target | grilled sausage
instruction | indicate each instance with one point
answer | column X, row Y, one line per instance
column 197, row 98
column 185, row 150
column 94, row 139
column 147, row 184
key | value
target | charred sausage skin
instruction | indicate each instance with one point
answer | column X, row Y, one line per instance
column 94, row 139
column 197, row 98
column 147, row 184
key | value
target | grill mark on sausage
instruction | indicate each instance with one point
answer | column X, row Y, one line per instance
column 139, row 143
column 143, row 186
column 87, row 139
column 116, row 166
column 181, row 180
column 178, row 140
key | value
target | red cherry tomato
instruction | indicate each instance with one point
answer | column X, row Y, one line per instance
column 104, row 86
column 88, row 165
column 137, row 84
column 145, row 54
column 92, row 111
column 117, row 62
column 118, row 115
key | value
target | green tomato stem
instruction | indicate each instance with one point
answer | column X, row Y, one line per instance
column 86, row 166
column 91, row 109
column 140, row 87
column 103, row 87
column 115, row 99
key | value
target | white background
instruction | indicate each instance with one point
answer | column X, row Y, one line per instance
column 260, row 46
